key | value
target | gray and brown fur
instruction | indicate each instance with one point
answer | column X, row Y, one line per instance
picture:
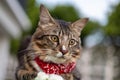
column 53, row 41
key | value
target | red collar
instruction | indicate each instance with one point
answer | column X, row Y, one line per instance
column 52, row 68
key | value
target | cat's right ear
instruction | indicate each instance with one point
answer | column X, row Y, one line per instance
column 45, row 18
column 78, row 25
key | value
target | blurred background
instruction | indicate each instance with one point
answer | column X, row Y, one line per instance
column 100, row 58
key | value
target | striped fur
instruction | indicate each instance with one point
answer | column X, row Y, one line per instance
column 55, row 41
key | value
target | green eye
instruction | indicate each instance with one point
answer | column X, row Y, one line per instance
column 54, row 38
column 72, row 42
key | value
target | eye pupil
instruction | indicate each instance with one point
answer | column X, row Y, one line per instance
column 72, row 42
column 54, row 38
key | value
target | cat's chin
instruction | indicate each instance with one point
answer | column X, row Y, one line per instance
column 56, row 60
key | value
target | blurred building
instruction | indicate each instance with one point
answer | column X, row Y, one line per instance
column 97, row 63
column 13, row 21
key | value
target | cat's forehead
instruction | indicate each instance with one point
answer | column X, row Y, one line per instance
column 64, row 27
column 61, row 29
column 63, row 23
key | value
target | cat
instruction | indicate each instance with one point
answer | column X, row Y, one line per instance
column 55, row 42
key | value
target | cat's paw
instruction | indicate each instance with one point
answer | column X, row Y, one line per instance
column 29, row 76
column 33, row 75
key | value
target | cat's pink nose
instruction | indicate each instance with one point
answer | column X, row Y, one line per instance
column 63, row 50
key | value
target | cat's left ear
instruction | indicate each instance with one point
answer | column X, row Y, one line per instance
column 78, row 25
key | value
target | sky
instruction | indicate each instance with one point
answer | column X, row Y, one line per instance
column 94, row 9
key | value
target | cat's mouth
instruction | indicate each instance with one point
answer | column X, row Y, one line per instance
column 58, row 58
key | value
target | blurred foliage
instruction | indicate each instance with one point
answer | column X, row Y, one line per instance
column 89, row 28
column 112, row 29
column 113, row 26
column 14, row 45
column 33, row 13
column 65, row 12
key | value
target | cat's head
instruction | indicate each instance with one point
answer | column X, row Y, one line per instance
column 57, row 41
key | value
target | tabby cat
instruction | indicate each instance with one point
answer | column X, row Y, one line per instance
column 54, row 42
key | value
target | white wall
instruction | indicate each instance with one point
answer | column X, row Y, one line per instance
column 4, row 53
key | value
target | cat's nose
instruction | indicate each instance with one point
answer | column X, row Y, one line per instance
column 63, row 50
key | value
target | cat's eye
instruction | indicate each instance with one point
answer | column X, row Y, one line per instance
column 54, row 38
column 72, row 42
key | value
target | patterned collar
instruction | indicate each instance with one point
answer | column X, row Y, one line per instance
column 52, row 68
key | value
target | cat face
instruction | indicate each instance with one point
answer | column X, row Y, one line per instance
column 57, row 41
